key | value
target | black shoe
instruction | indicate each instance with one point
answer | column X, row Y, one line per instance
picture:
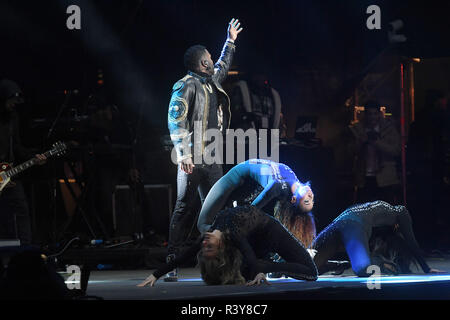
column 275, row 275
column 172, row 276
column 341, row 267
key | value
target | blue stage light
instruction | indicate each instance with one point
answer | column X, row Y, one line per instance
column 382, row 280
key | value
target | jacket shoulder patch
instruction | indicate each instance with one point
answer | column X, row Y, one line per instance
column 178, row 109
column 180, row 83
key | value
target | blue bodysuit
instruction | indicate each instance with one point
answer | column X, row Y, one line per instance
column 275, row 180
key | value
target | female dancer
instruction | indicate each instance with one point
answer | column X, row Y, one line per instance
column 233, row 249
column 258, row 182
column 351, row 230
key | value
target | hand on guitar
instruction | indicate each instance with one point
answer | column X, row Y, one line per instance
column 42, row 159
column 7, row 171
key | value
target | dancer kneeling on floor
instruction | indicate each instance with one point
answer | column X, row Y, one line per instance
column 351, row 231
column 264, row 184
column 234, row 248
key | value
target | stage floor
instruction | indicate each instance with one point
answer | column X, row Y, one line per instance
column 121, row 285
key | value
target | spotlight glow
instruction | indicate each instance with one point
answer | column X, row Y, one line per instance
column 383, row 279
column 334, row 279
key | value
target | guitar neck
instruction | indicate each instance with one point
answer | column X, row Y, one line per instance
column 21, row 167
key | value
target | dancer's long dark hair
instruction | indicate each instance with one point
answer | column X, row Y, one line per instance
column 391, row 247
column 225, row 268
column 300, row 224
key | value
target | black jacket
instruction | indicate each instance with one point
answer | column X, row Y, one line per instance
column 189, row 105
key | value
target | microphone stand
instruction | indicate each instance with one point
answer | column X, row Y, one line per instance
column 58, row 116
column 137, row 187
column 53, row 188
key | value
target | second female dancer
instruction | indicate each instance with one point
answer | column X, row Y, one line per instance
column 351, row 231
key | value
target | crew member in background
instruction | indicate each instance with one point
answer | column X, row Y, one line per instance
column 376, row 144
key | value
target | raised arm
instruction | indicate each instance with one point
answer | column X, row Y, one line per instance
column 224, row 63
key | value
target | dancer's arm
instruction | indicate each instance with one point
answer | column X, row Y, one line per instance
column 185, row 256
column 248, row 254
column 270, row 192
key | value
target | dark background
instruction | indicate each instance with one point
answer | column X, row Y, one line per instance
column 139, row 45
column 315, row 54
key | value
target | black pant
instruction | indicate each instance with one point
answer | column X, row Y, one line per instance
column 14, row 215
column 202, row 179
column 298, row 265
column 340, row 237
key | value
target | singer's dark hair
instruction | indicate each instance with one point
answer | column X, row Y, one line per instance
column 192, row 57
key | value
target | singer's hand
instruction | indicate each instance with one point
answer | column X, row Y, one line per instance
column 187, row 165
column 233, row 29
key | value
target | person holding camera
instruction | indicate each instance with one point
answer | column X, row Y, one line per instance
column 376, row 145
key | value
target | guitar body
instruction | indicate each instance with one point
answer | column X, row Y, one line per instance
column 7, row 171
column 4, row 181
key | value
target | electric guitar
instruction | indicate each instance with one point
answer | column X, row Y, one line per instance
column 7, row 171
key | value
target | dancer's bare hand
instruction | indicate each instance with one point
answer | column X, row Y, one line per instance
column 150, row 281
column 259, row 279
column 233, row 29
column 436, row 271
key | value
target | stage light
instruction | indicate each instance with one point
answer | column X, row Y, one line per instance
column 68, row 180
